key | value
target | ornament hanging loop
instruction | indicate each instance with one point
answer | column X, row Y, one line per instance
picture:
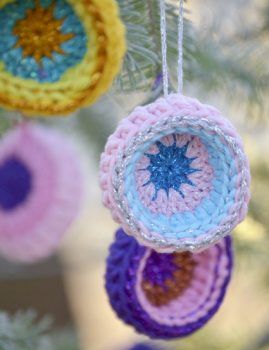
column 163, row 27
column 180, row 46
column 164, row 47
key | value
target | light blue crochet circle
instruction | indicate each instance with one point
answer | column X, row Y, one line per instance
column 176, row 225
column 48, row 69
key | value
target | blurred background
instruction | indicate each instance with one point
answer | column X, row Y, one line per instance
column 226, row 50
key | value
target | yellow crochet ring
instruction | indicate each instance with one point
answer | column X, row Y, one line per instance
column 58, row 55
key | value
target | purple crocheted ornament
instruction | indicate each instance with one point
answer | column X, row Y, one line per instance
column 143, row 346
column 175, row 176
column 166, row 295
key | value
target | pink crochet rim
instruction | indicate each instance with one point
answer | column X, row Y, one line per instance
column 130, row 130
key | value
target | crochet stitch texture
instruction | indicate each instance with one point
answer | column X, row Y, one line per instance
column 42, row 185
column 58, row 55
column 198, row 293
column 175, row 176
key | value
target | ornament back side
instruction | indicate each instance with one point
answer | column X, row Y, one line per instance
column 175, row 176
column 166, row 296
column 58, row 55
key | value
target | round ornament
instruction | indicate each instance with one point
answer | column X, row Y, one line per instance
column 144, row 346
column 58, row 55
column 175, row 176
column 168, row 295
column 42, row 187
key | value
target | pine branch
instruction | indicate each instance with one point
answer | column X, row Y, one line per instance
column 23, row 332
column 141, row 59
column 212, row 64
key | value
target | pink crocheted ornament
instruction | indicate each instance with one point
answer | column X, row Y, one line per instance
column 41, row 191
column 175, row 176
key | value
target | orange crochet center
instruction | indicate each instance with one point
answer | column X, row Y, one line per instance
column 91, row 78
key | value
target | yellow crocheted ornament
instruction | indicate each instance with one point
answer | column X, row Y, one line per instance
column 58, row 55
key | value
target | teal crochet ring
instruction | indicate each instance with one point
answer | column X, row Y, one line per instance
column 48, row 55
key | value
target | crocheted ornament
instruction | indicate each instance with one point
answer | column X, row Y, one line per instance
column 166, row 295
column 175, row 176
column 58, row 55
column 41, row 191
column 143, row 346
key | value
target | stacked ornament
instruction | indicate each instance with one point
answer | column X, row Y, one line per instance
column 56, row 56
column 175, row 177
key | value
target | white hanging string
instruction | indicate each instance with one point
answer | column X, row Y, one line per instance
column 164, row 46
column 180, row 46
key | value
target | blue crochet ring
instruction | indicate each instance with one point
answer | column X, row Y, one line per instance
column 175, row 176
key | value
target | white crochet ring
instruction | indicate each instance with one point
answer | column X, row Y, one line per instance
column 175, row 176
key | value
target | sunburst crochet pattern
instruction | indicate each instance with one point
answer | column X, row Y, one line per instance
column 39, row 33
column 169, row 168
column 175, row 176
column 58, row 55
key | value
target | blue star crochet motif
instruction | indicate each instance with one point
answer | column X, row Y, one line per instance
column 170, row 168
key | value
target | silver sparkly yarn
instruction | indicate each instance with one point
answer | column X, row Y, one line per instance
column 124, row 158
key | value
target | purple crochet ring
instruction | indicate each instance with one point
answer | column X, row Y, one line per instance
column 166, row 296
column 144, row 346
